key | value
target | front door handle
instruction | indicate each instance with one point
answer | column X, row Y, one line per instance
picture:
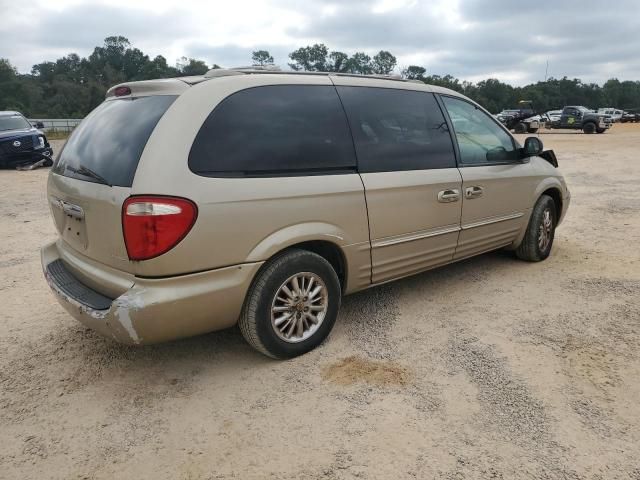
column 448, row 196
column 473, row 192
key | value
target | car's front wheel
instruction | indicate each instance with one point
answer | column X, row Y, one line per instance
column 292, row 304
column 538, row 239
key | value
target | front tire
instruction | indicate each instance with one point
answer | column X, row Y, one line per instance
column 538, row 239
column 292, row 305
column 600, row 130
column 589, row 128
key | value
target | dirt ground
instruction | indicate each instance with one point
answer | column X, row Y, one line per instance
column 489, row 368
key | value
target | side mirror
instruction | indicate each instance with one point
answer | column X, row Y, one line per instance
column 532, row 147
column 39, row 125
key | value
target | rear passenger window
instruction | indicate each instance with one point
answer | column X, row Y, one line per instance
column 275, row 130
column 397, row 129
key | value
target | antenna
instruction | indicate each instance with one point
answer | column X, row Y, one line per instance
column 546, row 71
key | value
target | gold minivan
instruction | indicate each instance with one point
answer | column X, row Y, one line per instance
column 261, row 197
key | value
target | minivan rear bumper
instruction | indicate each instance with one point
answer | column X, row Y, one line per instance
column 153, row 310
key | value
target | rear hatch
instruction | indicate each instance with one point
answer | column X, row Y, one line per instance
column 93, row 174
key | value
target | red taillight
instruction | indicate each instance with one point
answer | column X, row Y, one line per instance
column 122, row 91
column 153, row 225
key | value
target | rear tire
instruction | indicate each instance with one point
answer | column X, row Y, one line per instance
column 538, row 239
column 292, row 305
column 589, row 128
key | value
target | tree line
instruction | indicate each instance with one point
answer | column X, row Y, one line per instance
column 72, row 86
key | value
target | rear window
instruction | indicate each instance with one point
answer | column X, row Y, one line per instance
column 275, row 130
column 110, row 141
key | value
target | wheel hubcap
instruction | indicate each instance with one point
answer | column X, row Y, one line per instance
column 299, row 307
column 545, row 230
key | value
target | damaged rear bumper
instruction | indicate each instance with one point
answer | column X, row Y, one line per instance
column 151, row 310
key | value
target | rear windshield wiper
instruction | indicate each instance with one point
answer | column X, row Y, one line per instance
column 87, row 172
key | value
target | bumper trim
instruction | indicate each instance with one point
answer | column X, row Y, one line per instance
column 72, row 287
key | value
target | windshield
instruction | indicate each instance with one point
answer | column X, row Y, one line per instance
column 583, row 109
column 13, row 122
column 107, row 145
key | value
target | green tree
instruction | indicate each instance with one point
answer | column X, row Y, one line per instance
column 11, row 95
column 7, row 71
column 359, row 62
column 261, row 58
column 338, row 62
column 310, row 59
column 494, row 95
column 192, row 66
column 414, row 72
column 158, row 68
column 72, row 86
column 383, row 63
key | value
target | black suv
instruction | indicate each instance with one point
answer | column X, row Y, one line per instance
column 22, row 143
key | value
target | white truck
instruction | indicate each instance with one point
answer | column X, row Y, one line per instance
column 614, row 113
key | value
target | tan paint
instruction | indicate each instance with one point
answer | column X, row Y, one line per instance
column 156, row 310
column 244, row 222
column 410, row 230
column 101, row 228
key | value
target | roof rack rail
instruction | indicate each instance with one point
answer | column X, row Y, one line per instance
column 225, row 72
column 258, row 68
column 381, row 76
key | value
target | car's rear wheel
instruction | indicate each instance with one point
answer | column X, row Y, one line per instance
column 589, row 127
column 538, row 239
column 292, row 304
column 520, row 128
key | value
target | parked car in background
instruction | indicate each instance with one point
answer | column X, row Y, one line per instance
column 630, row 117
column 553, row 115
column 581, row 118
column 21, row 143
column 520, row 120
column 614, row 113
column 261, row 197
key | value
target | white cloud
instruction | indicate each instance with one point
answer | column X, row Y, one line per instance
column 470, row 39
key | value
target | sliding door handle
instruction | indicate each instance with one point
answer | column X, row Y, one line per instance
column 448, row 196
column 473, row 192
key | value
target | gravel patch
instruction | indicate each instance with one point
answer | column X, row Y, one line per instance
column 508, row 403
column 369, row 317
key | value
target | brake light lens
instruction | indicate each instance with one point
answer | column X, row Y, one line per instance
column 153, row 225
column 122, row 91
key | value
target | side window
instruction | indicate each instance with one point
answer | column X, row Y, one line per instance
column 275, row 130
column 480, row 139
column 397, row 129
